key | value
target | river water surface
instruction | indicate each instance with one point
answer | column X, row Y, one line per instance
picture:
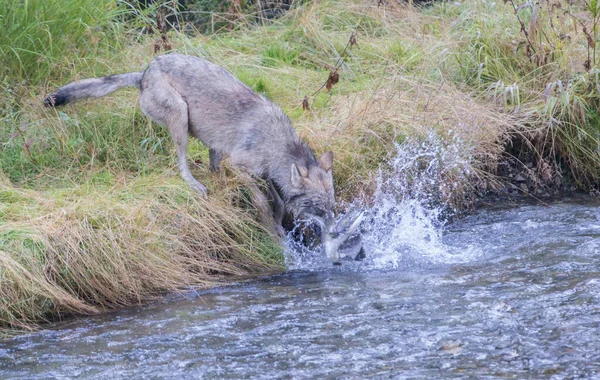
column 511, row 293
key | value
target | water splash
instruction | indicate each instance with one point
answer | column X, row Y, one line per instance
column 405, row 222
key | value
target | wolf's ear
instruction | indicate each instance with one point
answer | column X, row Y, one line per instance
column 296, row 176
column 326, row 161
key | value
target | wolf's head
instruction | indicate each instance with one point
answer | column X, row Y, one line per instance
column 313, row 196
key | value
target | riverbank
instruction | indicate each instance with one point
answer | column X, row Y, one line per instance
column 93, row 214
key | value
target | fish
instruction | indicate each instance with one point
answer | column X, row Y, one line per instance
column 342, row 239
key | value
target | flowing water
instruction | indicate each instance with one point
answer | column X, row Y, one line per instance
column 506, row 293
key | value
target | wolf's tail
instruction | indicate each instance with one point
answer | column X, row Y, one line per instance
column 92, row 88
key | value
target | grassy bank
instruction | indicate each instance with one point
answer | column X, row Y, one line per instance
column 93, row 214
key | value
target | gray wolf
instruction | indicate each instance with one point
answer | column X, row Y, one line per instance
column 190, row 95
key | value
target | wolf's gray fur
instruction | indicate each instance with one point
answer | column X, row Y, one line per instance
column 93, row 88
column 190, row 95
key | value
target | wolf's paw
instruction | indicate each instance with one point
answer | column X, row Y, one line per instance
column 200, row 188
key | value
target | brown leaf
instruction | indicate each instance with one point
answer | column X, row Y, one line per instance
column 591, row 41
column 305, row 104
column 334, row 77
column 352, row 39
column 166, row 43
column 157, row 44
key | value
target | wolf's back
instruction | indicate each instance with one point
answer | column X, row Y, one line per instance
column 92, row 88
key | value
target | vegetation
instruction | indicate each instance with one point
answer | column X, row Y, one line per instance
column 93, row 214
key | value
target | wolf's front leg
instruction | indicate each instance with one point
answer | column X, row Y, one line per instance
column 262, row 203
column 277, row 204
column 278, row 207
column 214, row 158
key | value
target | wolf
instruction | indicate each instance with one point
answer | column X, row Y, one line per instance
column 192, row 96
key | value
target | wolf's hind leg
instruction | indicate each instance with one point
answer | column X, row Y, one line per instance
column 214, row 158
column 164, row 105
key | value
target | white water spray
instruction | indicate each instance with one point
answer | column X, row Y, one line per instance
column 405, row 222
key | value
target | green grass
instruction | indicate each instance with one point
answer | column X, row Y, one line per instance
column 41, row 38
column 550, row 88
column 66, row 140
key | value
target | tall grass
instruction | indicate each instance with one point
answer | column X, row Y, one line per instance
column 40, row 38
column 545, row 71
column 73, row 144
column 85, row 250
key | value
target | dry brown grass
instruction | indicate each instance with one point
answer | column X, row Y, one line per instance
column 363, row 127
column 76, row 253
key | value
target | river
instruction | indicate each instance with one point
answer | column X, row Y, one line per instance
column 508, row 293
